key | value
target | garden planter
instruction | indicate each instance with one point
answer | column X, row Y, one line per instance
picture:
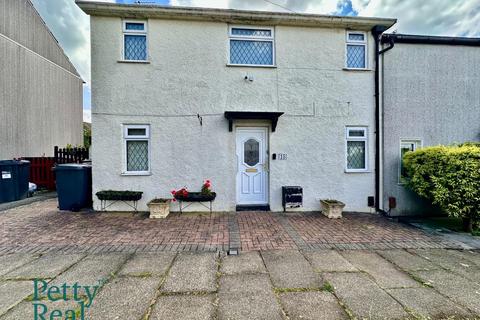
column 119, row 195
column 159, row 208
column 196, row 197
column 332, row 208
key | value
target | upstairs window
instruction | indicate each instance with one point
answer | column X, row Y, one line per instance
column 356, row 50
column 406, row 146
column 137, row 148
column 357, row 149
column 134, row 41
column 252, row 46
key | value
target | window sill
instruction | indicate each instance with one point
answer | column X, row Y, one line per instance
column 251, row 66
column 134, row 61
column 358, row 171
column 128, row 174
column 356, row 69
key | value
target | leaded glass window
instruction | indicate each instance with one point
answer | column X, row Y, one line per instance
column 137, row 142
column 356, row 149
column 134, row 41
column 251, row 152
column 252, row 46
column 356, row 50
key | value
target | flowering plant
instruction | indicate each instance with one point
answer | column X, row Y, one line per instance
column 179, row 193
column 206, row 188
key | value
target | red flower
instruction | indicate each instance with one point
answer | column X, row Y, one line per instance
column 207, row 181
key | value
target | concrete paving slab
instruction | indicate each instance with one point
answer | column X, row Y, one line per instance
column 26, row 309
column 184, row 307
column 247, row 296
column 363, row 297
column 12, row 292
column 192, row 272
column 451, row 260
column 456, row 287
column 469, row 255
column 314, row 305
column 47, row 266
column 248, row 262
column 407, row 261
column 143, row 264
column 13, row 261
column 92, row 269
column 290, row 269
column 426, row 303
column 124, row 298
column 329, row 261
column 384, row 273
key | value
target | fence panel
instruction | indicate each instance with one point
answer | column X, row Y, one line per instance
column 41, row 172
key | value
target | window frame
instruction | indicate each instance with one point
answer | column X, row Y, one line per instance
column 417, row 142
column 253, row 39
column 126, row 32
column 364, row 139
column 363, row 43
column 126, row 137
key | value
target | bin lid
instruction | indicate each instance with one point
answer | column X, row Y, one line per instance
column 71, row 166
column 13, row 162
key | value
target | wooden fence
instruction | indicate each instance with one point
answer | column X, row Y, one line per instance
column 41, row 172
column 70, row 155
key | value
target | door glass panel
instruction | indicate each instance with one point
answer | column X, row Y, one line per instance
column 251, row 152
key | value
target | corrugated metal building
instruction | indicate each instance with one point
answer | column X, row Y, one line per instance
column 40, row 90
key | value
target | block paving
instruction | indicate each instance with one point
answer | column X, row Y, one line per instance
column 40, row 228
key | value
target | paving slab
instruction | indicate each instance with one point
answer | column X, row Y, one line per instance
column 451, row 260
column 363, row 297
column 329, row 261
column 249, row 262
column 92, row 270
column 454, row 286
column 426, row 303
column 13, row 292
column 290, row 269
column 384, row 273
column 25, row 310
column 315, row 305
column 124, row 298
column 13, row 261
column 184, row 307
column 143, row 264
column 469, row 255
column 407, row 261
column 192, row 272
column 247, row 296
column 47, row 266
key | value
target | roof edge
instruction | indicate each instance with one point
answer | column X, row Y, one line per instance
column 229, row 15
column 437, row 40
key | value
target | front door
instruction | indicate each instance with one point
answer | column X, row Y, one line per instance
column 252, row 165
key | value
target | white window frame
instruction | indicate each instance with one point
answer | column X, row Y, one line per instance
column 363, row 43
column 418, row 143
column 354, row 138
column 252, row 38
column 126, row 32
column 127, row 137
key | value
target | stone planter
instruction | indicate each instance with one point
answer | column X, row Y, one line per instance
column 159, row 208
column 332, row 208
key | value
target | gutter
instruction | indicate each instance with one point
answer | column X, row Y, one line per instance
column 377, row 31
column 418, row 39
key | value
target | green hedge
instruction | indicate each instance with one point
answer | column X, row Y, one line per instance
column 449, row 176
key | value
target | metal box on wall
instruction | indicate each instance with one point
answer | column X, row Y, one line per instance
column 292, row 197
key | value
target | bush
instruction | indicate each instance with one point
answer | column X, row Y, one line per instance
column 449, row 176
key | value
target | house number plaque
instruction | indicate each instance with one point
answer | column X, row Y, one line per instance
column 281, row 156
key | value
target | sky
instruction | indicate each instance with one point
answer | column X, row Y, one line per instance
column 430, row 17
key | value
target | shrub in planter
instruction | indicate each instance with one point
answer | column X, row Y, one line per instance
column 205, row 194
column 449, row 176
column 159, row 208
column 119, row 195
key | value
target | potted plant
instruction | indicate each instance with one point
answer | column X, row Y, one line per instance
column 159, row 208
column 204, row 195
column 332, row 208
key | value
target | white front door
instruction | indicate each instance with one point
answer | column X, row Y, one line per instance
column 252, row 165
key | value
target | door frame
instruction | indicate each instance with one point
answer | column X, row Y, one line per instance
column 266, row 129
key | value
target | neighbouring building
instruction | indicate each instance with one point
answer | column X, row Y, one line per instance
column 250, row 100
column 431, row 96
column 40, row 90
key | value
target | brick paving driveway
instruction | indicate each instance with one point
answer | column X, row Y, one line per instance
column 40, row 228
column 280, row 284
